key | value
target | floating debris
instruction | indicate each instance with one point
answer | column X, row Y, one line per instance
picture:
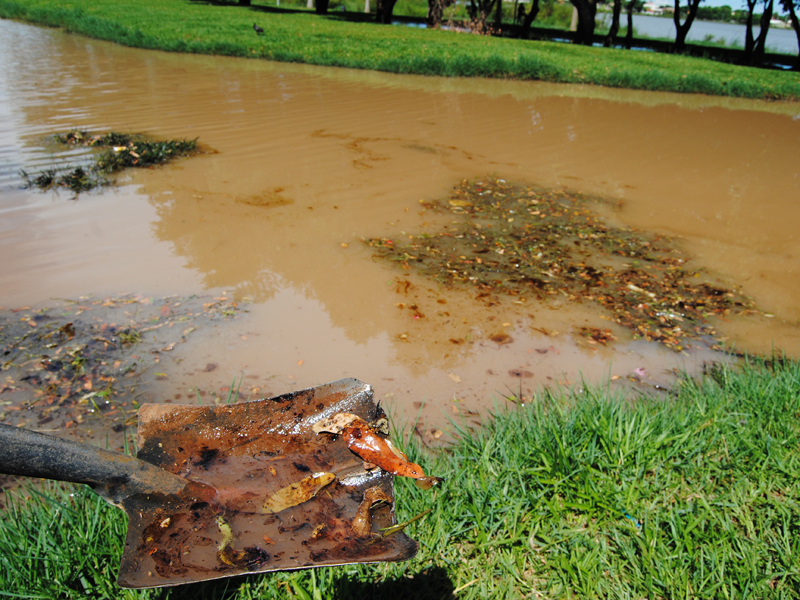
column 123, row 151
column 526, row 242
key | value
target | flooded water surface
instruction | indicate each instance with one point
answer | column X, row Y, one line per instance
column 302, row 163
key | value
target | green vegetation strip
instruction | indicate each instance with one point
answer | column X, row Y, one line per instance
column 524, row 242
column 227, row 29
column 584, row 494
column 123, row 151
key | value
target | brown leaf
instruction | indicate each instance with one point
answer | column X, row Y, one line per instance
column 362, row 521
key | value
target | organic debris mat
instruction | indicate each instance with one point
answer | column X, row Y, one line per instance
column 531, row 243
column 121, row 151
column 86, row 361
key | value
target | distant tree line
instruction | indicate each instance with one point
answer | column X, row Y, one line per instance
column 723, row 14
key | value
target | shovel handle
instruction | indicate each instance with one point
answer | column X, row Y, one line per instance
column 113, row 475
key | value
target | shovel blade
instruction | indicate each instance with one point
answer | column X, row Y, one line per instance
column 247, row 453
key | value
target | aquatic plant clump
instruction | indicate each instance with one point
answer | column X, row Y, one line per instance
column 526, row 242
column 123, row 151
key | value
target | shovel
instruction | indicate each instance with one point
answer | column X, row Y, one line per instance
column 234, row 489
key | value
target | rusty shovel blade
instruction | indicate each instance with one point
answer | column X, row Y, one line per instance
column 265, row 493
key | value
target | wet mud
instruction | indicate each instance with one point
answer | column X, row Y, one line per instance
column 82, row 368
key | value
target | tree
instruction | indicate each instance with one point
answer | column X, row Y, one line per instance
column 754, row 47
column 682, row 29
column 528, row 19
column 321, row 7
column 384, row 10
column 611, row 38
column 436, row 12
column 748, row 31
column 479, row 11
column 789, row 6
column 723, row 14
column 761, row 42
column 587, row 11
column 633, row 5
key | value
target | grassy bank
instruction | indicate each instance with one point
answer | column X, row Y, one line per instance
column 292, row 36
column 691, row 495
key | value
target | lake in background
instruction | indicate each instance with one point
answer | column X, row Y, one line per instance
column 783, row 41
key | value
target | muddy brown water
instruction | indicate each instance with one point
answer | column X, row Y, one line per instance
column 308, row 161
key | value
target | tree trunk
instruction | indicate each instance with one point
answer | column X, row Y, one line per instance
column 587, row 9
column 498, row 16
column 321, row 7
column 749, row 43
column 435, row 12
column 788, row 5
column 384, row 10
column 611, row 38
column 629, row 34
column 761, row 42
column 530, row 17
column 472, row 10
column 683, row 30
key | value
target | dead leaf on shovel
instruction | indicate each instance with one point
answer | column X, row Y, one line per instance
column 363, row 441
column 362, row 522
column 337, row 423
column 373, row 448
column 297, row 493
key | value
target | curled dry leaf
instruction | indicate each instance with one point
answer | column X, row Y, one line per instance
column 375, row 450
column 337, row 423
column 297, row 493
column 370, row 447
column 362, row 522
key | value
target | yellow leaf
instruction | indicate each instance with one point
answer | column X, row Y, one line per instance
column 297, row 493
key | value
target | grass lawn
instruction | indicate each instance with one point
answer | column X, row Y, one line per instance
column 585, row 494
column 292, row 36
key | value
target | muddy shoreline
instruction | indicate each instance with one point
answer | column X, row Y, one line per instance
column 81, row 368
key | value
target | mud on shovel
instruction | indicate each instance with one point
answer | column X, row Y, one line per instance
column 235, row 489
